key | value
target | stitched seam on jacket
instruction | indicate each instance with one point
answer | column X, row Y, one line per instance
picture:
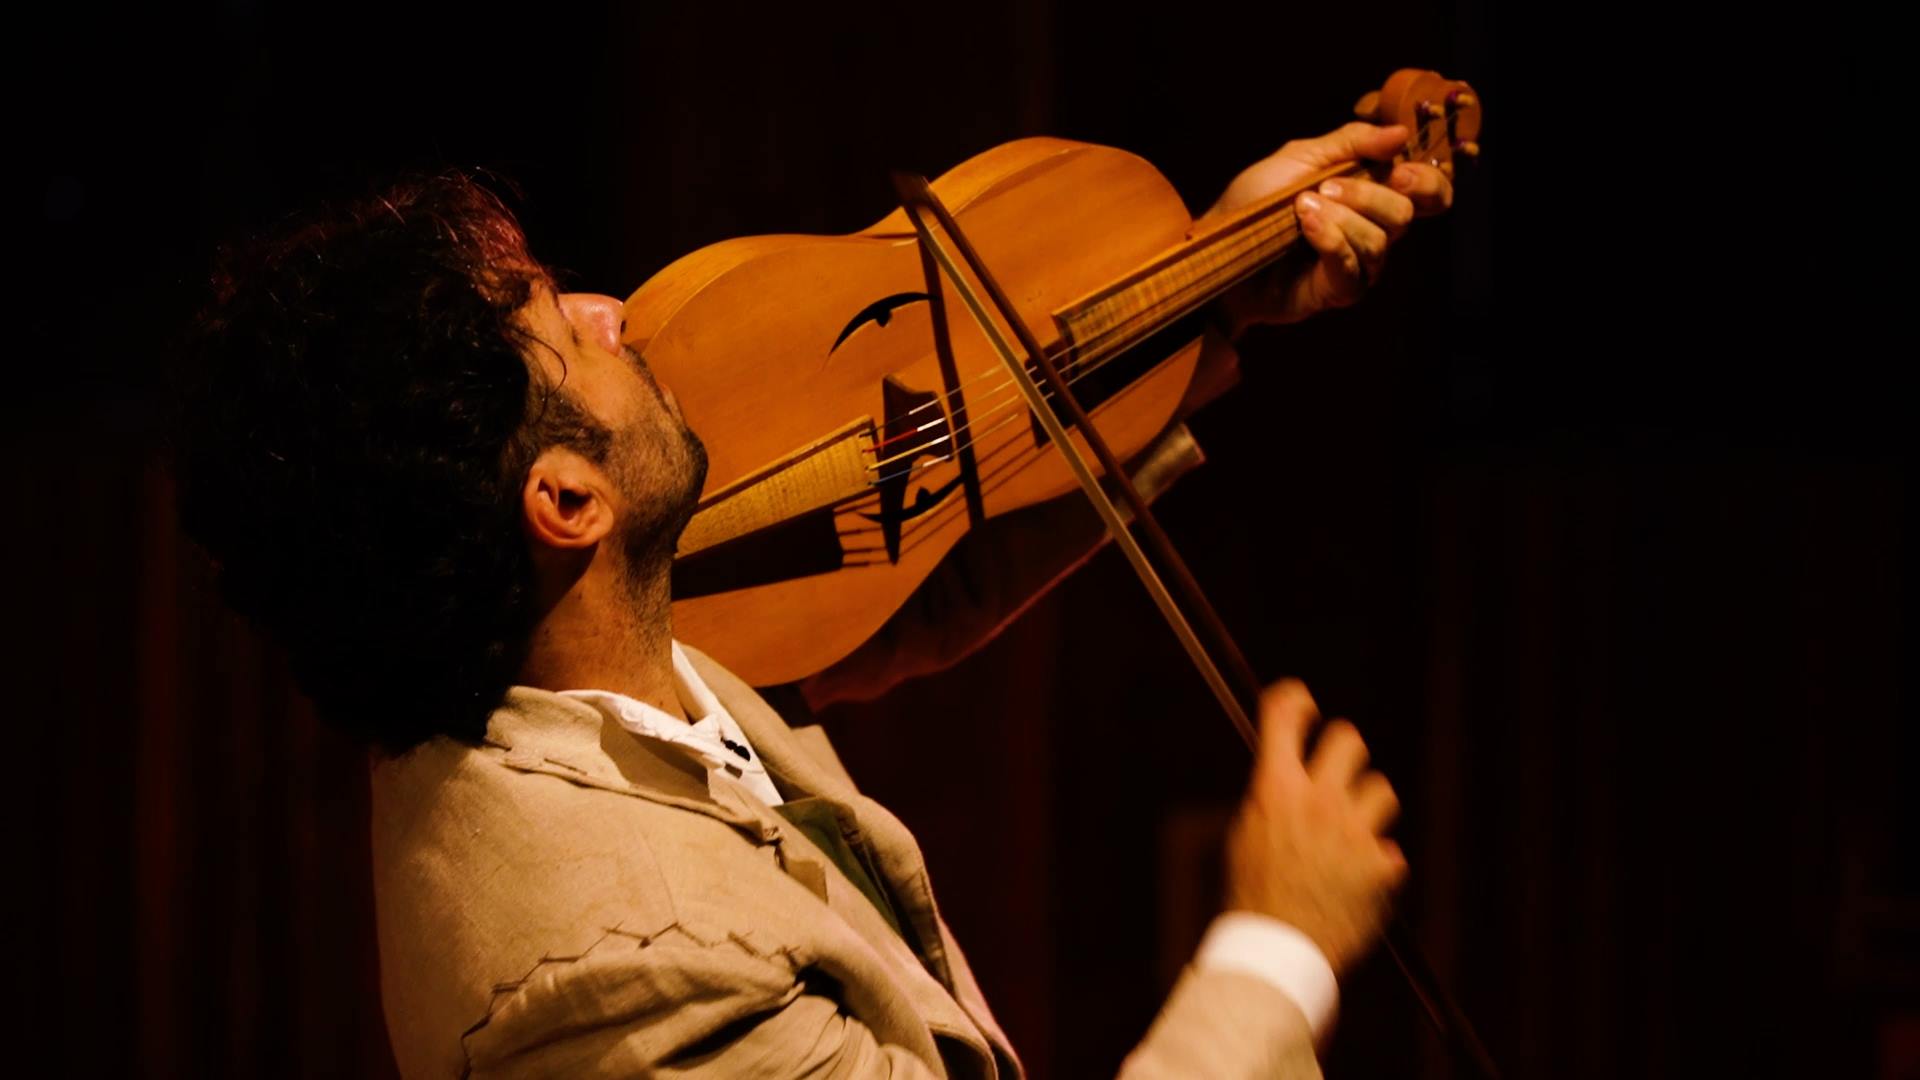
column 786, row 956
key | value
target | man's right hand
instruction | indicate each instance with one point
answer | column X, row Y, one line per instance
column 1306, row 846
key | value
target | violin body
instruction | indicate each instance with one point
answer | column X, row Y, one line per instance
column 772, row 344
column 858, row 420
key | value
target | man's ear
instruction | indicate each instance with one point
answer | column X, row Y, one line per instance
column 567, row 501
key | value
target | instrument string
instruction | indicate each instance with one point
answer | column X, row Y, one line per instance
column 1031, row 453
column 1027, row 454
column 1275, row 229
column 1273, row 224
column 1098, row 351
column 920, row 529
column 849, row 519
column 1229, row 263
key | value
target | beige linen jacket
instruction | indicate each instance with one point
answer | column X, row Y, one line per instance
column 569, row 899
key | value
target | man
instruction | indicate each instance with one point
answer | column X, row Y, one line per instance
column 454, row 497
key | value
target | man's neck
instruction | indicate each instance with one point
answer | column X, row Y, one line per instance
column 608, row 633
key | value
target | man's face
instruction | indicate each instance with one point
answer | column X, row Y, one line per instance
column 657, row 462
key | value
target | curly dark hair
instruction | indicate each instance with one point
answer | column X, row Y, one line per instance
column 357, row 416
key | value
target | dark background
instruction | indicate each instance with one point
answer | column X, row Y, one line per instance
column 1594, row 515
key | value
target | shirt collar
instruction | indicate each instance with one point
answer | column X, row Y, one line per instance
column 710, row 730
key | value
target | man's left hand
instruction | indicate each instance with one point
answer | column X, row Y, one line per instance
column 1350, row 221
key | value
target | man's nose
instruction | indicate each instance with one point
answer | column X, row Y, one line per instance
column 598, row 318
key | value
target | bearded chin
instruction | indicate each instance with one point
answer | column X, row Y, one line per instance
column 689, row 496
column 650, row 541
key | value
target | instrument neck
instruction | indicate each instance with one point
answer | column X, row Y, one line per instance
column 1218, row 255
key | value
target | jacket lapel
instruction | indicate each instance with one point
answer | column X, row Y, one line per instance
column 895, row 850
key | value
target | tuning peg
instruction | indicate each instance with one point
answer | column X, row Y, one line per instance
column 1465, row 101
column 1467, row 148
column 1368, row 107
column 1433, row 109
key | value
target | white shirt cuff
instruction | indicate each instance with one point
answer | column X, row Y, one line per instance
column 1278, row 954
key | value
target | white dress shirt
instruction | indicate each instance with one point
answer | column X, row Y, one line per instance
column 712, row 733
column 1242, row 941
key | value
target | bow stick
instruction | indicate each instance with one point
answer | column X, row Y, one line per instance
column 1237, row 698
